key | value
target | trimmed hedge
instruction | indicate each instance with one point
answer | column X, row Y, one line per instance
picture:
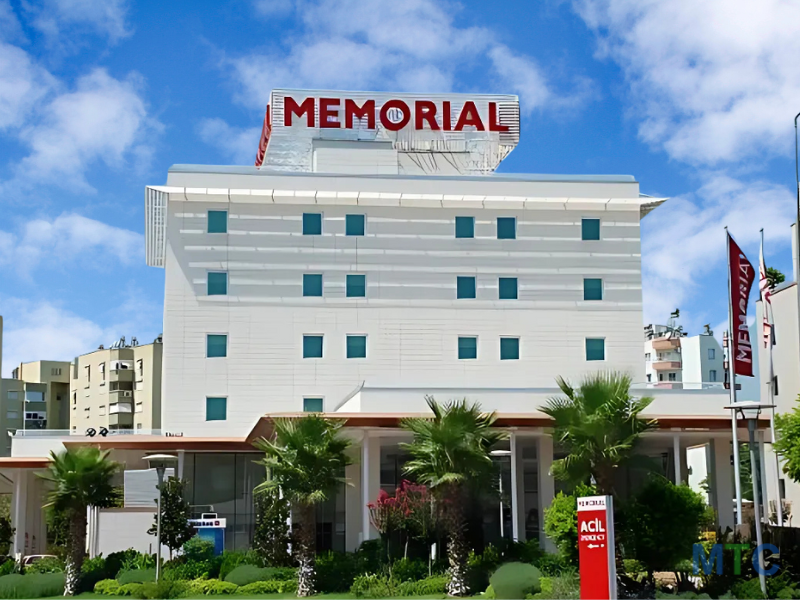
column 210, row 587
column 272, row 586
column 378, row 586
column 34, row 585
column 130, row 589
column 137, row 576
column 515, row 580
column 107, row 587
column 247, row 574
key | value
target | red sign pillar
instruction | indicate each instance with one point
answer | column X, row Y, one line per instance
column 596, row 548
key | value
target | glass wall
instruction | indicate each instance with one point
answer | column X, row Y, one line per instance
column 530, row 486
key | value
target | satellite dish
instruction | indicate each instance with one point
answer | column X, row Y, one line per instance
column 91, row 432
column 103, row 431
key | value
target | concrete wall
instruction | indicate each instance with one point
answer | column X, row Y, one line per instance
column 122, row 528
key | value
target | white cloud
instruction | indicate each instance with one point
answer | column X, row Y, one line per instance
column 23, row 84
column 58, row 19
column 10, row 27
column 64, row 240
column 683, row 242
column 237, row 144
column 713, row 81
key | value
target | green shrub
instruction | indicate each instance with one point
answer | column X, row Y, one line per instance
column 130, row 589
column 427, row 586
column 8, row 567
column 163, row 589
column 186, row 571
column 137, row 576
column 92, row 571
column 481, row 566
column 273, row 586
column 46, row 565
column 33, row 585
column 407, row 569
column 198, row 549
column 554, row 564
column 560, row 587
column 108, row 587
column 246, row 574
column 515, row 580
column 371, row 555
column 230, row 560
column 561, row 523
column 116, row 560
column 371, row 586
column 215, row 586
column 336, row 571
column 489, row 593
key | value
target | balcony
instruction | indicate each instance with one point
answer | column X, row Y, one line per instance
column 120, row 408
column 120, row 396
column 122, row 374
column 120, row 419
column 666, row 344
column 667, row 365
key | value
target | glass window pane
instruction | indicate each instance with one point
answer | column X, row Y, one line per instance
column 592, row 289
column 467, row 348
column 465, row 287
column 356, row 286
column 509, row 348
column 590, row 229
column 312, row 404
column 312, row 346
column 595, row 349
column 216, row 409
column 356, row 346
column 354, row 224
column 508, row 288
column 506, row 228
column 218, row 221
column 312, row 224
column 216, row 346
column 465, row 227
column 217, row 284
column 312, row 284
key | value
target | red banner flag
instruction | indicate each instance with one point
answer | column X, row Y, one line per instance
column 266, row 130
column 741, row 276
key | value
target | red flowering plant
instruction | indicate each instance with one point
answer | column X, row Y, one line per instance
column 410, row 510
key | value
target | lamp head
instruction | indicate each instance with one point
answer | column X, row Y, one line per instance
column 160, row 461
column 749, row 409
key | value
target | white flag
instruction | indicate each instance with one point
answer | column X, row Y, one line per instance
column 766, row 298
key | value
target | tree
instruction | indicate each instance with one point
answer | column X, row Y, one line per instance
column 599, row 424
column 271, row 535
column 80, row 477
column 561, row 522
column 774, row 277
column 787, row 444
column 305, row 460
column 175, row 515
column 449, row 453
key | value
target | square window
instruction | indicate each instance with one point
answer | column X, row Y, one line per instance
column 465, row 287
column 590, row 229
column 673, row 376
column 356, row 286
column 506, row 228
column 467, row 348
column 509, row 348
column 216, row 409
column 217, row 284
column 218, row 221
column 712, row 375
column 312, row 284
column 312, row 346
column 216, row 346
column 312, row 223
column 508, row 288
column 356, row 346
column 592, row 289
column 595, row 349
column 312, row 404
column 354, row 224
column 711, row 354
column 465, row 227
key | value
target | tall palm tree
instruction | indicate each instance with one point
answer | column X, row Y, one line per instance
column 599, row 424
column 305, row 460
column 450, row 452
column 80, row 477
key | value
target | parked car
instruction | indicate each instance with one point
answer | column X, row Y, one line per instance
column 32, row 558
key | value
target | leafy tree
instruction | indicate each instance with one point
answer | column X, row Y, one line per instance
column 599, row 424
column 305, row 459
column 271, row 536
column 787, row 444
column 561, row 522
column 449, row 453
column 175, row 515
column 774, row 277
column 80, row 478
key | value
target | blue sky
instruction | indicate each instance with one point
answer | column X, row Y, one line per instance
column 99, row 97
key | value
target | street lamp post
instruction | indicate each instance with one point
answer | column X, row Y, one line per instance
column 160, row 462
column 750, row 411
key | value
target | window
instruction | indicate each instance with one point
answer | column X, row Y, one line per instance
column 12, row 415
column 772, row 334
column 506, row 228
column 216, row 409
column 34, row 396
column 312, row 346
column 138, row 426
column 13, row 395
column 465, row 287
column 88, row 373
column 312, row 284
column 467, row 348
column 672, row 376
column 595, row 349
column 590, row 229
column 647, row 356
column 140, row 367
column 312, row 404
column 356, row 346
column 592, row 289
column 312, row 224
column 216, row 346
column 356, row 286
column 712, row 375
column 711, row 354
column 465, row 227
column 775, row 385
column 508, row 288
column 354, row 224
column 661, row 377
column 509, row 348
column 218, row 221
column 649, row 377
column 217, row 284
column 55, row 372
column 102, row 369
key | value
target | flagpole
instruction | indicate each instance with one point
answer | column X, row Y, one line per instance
column 737, row 480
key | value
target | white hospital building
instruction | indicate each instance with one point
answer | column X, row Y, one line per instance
column 375, row 258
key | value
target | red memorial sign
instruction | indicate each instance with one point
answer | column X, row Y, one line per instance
column 741, row 279
column 596, row 548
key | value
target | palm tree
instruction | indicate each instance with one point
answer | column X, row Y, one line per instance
column 81, row 478
column 449, row 453
column 305, row 460
column 599, row 424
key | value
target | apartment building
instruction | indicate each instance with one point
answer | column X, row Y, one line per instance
column 675, row 360
column 117, row 388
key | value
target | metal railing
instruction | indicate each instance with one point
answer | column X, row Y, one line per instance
column 54, row 433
